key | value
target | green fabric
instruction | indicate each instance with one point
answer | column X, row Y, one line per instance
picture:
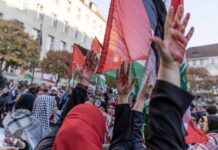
column 136, row 71
column 27, row 75
column 183, row 76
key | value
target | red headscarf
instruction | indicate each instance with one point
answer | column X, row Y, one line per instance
column 82, row 129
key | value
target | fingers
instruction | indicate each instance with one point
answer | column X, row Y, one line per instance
column 122, row 69
column 159, row 43
column 169, row 19
column 128, row 71
column 178, row 17
column 189, row 34
column 178, row 36
column 184, row 23
column 117, row 75
column 134, row 81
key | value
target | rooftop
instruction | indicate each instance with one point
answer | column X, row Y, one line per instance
column 202, row 51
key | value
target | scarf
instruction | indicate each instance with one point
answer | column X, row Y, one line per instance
column 82, row 129
column 42, row 109
column 22, row 124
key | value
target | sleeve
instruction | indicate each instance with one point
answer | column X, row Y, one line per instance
column 122, row 132
column 78, row 96
column 165, row 126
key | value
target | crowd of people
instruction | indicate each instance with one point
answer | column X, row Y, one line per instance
column 64, row 118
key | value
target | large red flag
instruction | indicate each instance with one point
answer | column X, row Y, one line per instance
column 96, row 45
column 127, row 36
column 77, row 59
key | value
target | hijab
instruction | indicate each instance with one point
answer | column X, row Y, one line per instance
column 42, row 109
column 21, row 123
column 82, row 129
column 25, row 102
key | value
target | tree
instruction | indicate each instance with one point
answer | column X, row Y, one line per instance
column 201, row 82
column 16, row 47
column 57, row 63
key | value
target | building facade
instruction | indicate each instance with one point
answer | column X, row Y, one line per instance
column 204, row 56
column 61, row 22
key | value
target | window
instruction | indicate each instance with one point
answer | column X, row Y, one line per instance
column 87, row 19
column 1, row 15
column 56, row 1
column 94, row 25
column 50, row 43
column 100, row 30
column 76, row 34
column 78, row 13
column 201, row 62
column 85, row 38
column 63, row 45
column 66, row 27
column 54, row 20
column 39, row 12
column 194, row 62
column 69, row 6
column 35, row 33
column 212, row 60
column 21, row 4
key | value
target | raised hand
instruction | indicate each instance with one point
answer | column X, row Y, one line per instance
column 172, row 48
column 123, row 83
column 144, row 94
column 89, row 66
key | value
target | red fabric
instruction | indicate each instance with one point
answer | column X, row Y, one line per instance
column 195, row 135
column 82, row 129
column 96, row 46
column 77, row 58
column 175, row 4
column 127, row 36
column 22, row 70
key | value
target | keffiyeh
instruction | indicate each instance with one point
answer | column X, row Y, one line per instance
column 42, row 109
column 23, row 124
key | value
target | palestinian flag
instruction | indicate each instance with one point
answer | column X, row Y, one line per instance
column 25, row 73
column 78, row 57
column 49, row 78
column 127, row 36
column 96, row 45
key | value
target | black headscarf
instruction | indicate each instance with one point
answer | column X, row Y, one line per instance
column 25, row 102
column 213, row 123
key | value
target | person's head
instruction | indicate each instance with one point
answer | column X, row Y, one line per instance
column 26, row 101
column 54, row 90
column 103, row 106
column 211, row 110
column 111, row 108
column 85, row 125
column 209, row 123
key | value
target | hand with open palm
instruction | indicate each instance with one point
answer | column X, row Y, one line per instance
column 89, row 67
column 172, row 48
column 123, row 83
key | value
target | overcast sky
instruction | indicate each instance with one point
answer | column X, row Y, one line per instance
column 203, row 17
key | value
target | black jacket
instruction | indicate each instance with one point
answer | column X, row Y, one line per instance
column 165, row 126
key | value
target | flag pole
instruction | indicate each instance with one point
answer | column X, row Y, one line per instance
column 96, row 86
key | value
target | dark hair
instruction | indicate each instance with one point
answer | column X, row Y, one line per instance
column 3, row 82
column 211, row 110
column 25, row 102
column 212, row 123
